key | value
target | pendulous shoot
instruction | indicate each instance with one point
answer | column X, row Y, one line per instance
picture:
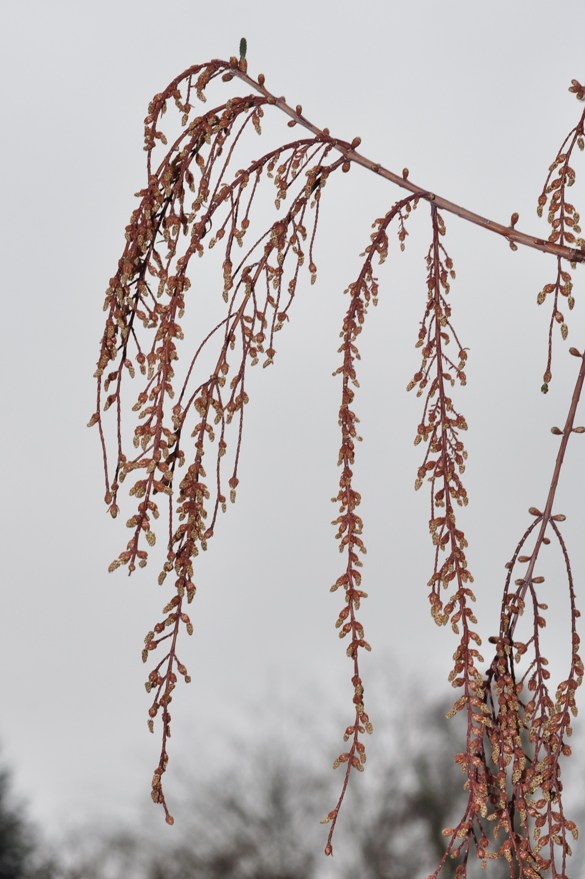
column 175, row 448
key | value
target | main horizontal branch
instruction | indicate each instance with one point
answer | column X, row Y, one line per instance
column 510, row 233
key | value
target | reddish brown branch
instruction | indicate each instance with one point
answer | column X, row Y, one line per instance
column 510, row 233
column 363, row 292
column 547, row 514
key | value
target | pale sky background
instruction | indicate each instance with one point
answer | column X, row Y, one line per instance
column 473, row 99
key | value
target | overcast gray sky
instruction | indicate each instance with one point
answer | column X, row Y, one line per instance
column 473, row 99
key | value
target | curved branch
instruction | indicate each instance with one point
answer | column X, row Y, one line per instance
column 349, row 152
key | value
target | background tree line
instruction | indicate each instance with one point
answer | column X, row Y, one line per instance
column 262, row 822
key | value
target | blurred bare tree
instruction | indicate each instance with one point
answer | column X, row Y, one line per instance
column 404, row 807
column 16, row 842
column 260, row 824
column 263, row 822
column 22, row 853
column 259, row 819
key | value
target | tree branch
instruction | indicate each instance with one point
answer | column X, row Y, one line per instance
column 510, row 233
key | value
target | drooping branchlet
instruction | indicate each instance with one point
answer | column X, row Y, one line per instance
column 187, row 426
